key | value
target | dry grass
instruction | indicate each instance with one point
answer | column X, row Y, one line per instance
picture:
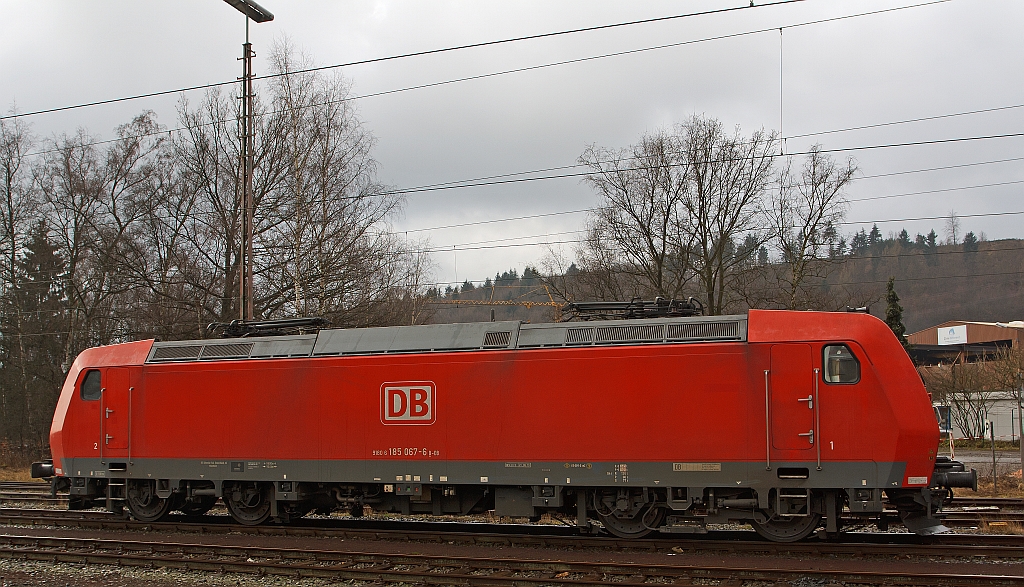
column 1006, row 486
column 1001, row 527
column 15, row 474
column 978, row 444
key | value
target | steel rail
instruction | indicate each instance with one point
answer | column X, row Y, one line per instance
column 881, row 544
column 31, row 497
column 1011, row 502
column 448, row 570
column 1014, row 502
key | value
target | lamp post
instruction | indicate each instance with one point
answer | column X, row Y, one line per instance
column 252, row 11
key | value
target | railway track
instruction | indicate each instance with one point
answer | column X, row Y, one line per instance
column 41, row 487
column 562, row 537
column 388, row 567
column 29, row 492
column 965, row 511
column 1016, row 503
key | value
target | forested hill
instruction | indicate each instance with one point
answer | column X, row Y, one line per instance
column 953, row 282
column 935, row 284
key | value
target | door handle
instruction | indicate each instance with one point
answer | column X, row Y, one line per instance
column 810, row 401
column 809, row 434
column 109, row 411
column 108, row 439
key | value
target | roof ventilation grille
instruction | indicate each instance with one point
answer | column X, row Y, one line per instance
column 176, row 353
column 579, row 335
column 631, row 333
column 703, row 330
column 225, row 351
column 497, row 339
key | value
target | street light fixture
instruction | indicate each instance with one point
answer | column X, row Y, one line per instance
column 252, row 11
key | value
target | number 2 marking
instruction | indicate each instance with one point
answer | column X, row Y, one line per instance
column 95, row 446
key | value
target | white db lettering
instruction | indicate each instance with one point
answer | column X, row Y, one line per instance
column 407, row 403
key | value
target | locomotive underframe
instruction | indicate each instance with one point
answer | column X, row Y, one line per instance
column 785, row 502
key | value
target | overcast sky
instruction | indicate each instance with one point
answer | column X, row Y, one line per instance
column 939, row 59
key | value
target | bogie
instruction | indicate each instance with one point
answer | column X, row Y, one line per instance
column 248, row 502
column 143, row 502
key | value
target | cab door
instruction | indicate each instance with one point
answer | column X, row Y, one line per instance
column 791, row 391
column 115, row 419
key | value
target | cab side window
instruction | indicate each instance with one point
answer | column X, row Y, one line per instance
column 840, row 364
column 90, row 389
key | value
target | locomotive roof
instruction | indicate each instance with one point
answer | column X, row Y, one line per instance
column 472, row 336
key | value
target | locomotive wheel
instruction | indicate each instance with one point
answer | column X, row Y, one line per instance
column 788, row 529
column 143, row 502
column 640, row 525
column 198, row 505
column 248, row 502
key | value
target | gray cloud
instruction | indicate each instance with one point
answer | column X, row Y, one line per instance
column 924, row 61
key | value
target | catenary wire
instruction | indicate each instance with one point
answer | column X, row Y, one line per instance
column 415, row 190
column 421, row 86
column 452, row 283
column 397, row 232
column 492, row 74
column 968, row 187
column 464, row 247
column 424, row 53
column 582, row 210
column 922, row 119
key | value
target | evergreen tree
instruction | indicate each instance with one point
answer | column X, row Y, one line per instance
column 859, row 243
column 931, row 246
column 530, row 275
column 875, row 237
column 970, row 242
column 904, row 239
column 894, row 313
column 34, row 340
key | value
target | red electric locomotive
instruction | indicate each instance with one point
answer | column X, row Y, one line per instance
column 785, row 420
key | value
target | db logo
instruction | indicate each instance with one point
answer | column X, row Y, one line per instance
column 407, row 402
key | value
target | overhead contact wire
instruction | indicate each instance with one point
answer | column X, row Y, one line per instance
column 426, row 52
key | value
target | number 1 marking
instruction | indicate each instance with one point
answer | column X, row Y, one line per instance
column 832, row 444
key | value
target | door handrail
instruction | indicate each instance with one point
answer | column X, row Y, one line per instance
column 129, row 435
column 103, row 421
column 767, row 425
column 817, row 418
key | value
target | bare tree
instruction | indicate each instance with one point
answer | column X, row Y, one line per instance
column 804, row 216
column 971, row 389
column 728, row 179
column 636, row 243
column 952, row 228
column 207, row 154
column 18, row 206
column 679, row 210
column 327, row 241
